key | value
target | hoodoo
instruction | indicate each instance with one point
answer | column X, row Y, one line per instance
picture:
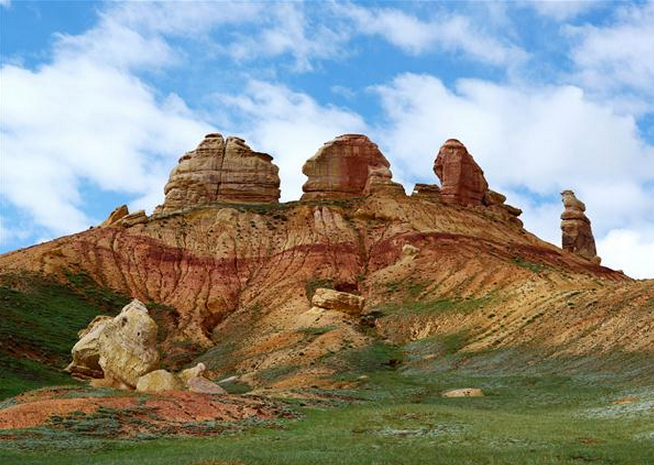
column 348, row 166
column 221, row 170
column 577, row 235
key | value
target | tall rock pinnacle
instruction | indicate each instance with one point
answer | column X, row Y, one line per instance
column 462, row 180
column 577, row 235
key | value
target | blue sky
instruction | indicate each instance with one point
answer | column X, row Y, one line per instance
column 99, row 99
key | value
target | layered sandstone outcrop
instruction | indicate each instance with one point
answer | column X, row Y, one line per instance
column 348, row 166
column 345, row 302
column 116, row 215
column 463, row 183
column 462, row 180
column 577, row 235
column 495, row 202
column 221, row 170
column 426, row 191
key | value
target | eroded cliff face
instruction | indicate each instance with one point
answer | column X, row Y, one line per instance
column 242, row 276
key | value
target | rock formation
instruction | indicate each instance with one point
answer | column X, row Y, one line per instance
column 426, row 191
column 330, row 299
column 409, row 251
column 86, row 353
column 122, row 217
column 158, row 380
column 121, row 352
column 195, row 372
column 132, row 219
column 495, row 202
column 465, row 392
column 221, row 170
column 462, row 180
column 577, row 235
column 463, row 183
column 205, row 386
column 349, row 166
column 114, row 216
column 128, row 345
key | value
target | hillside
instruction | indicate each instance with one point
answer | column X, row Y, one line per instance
column 449, row 286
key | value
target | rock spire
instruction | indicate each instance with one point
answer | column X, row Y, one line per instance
column 462, row 180
column 577, row 235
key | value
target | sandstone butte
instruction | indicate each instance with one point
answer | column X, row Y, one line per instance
column 239, row 270
column 349, row 166
column 221, row 170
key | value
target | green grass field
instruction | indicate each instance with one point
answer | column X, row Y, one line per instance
column 398, row 419
column 397, row 416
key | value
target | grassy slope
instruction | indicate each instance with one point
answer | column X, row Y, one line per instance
column 39, row 325
column 397, row 416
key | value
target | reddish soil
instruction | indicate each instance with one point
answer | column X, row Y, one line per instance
column 36, row 408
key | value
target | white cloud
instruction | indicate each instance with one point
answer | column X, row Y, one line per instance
column 445, row 32
column 290, row 126
column 286, row 29
column 5, row 3
column 562, row 10
column 629, row 250
column 533, row 141
column 618, row 56
column 86, row 118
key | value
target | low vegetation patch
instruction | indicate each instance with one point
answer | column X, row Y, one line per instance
column 531, row 266
column 317, row 331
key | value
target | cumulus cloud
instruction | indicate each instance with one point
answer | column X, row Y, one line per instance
column 287, row 29
column 617, row 56
column 289, row 125
column 532, row 143
column 448, row 32
column 630, row 250
column 86, row 118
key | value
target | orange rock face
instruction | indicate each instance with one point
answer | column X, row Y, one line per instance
column 577, row 235
column 221, row 170
column 349, row 166
column 462, row 180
